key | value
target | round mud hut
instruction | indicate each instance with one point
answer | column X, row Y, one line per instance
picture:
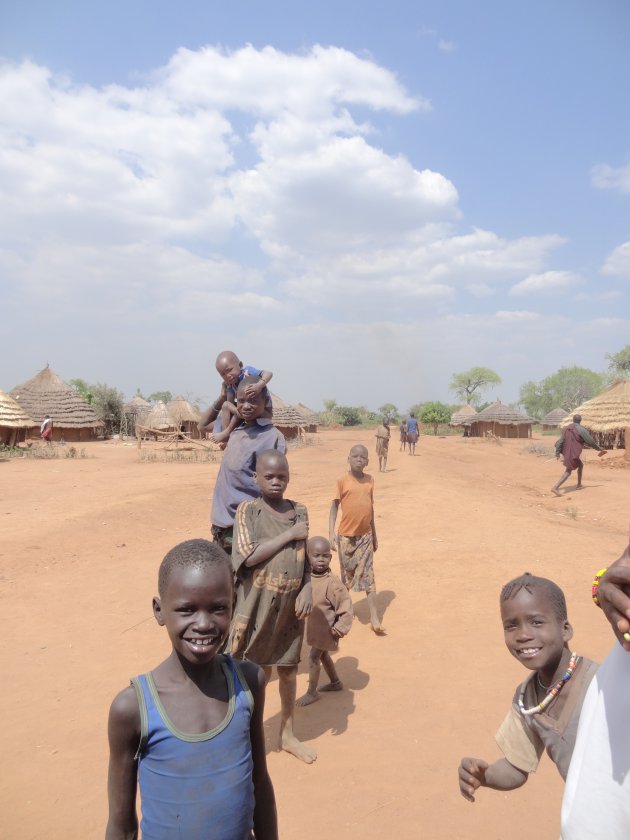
column 463, row 417
column 607, row 416
column 502, row 422
column 73, row 418
column 137, row 409
column 185, row 415
column 551, row 422
column 159, row 418
column 15, row 423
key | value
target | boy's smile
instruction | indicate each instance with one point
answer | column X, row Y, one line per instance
column 196, row 610
column 534, row 634
column 249, row 408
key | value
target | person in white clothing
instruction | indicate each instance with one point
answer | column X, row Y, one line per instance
column 596, row 803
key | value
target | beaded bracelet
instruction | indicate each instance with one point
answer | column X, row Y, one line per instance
column 595, row 586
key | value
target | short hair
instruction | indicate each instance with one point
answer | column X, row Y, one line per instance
column 250, row 380
column 271, row 453
column 577, row 418
column 530, row 583
column 191, row 554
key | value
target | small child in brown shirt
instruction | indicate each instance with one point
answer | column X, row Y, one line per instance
column 330, row 619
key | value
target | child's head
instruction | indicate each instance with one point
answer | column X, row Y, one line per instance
column 228, row 367
column 272, row 474
column 358, row 459
column 535, row 623
column 250, row 407
column 196, row 591
column 319, row 554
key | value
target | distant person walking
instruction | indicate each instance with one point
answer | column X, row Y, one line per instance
column 382, row 444
column 46, row 429
column 403, row 435
column 413, row 433
column 570, row 445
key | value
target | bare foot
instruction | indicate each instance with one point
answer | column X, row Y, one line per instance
column 555, row 492
column 579, row 487
column 290, row 744
column 335, row 685
column 380, row 630
column 307, row 699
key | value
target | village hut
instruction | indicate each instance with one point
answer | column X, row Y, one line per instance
column 185, row 415
column 159, row 418
column 463, row 417
column 288, row 420
column 14, row 421
column 73, row 418
column 311, row 418
column 607, row 416
column 551, row 421
column 502, row 422
column 136, row 410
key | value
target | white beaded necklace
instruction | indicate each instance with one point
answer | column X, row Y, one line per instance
column 553, row 693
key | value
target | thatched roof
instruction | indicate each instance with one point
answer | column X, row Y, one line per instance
column 183, row 411
column 554, row 418
column 311, row 417
column 12, row 415
column 606, row 412
column 287, row 416
column 502, row 414
column 159, row 417
column 137, row 406
column 47, row 393
column 463, row 416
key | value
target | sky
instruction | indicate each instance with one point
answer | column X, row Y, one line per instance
column 362, row 197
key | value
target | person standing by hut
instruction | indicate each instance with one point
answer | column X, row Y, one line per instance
column 382, row 444
column 46, row 430
column 570, row 445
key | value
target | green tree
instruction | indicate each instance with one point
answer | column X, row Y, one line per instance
column 434, row 413
column 389, row 412
column 349, row 415
column 164, row 396
column 565, row 389
column 469, row 384
column 619, row 363
column 83, row 388
column 107, row 403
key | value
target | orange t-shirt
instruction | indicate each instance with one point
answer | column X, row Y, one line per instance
column 357, row 504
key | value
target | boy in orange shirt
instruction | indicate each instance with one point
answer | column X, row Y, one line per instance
column 356, row 539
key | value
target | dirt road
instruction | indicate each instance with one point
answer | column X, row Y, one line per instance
column 81, row 543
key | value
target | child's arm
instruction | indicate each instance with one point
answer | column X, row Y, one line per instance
column 475, row 773
column 332, row 519
column 267, row 548
column 211, row 414
column 124, row 737
column 304, row 600
column 344, row 614
column 374, row 539
column 259, row 387
column 613, row 598
column 265, row 817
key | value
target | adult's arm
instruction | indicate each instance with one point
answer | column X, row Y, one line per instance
column 587, row 438
column 124, row 737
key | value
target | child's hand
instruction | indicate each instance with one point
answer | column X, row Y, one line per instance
column 472, row 775
column 299, row 531
column 304, row 602
column 374, row 543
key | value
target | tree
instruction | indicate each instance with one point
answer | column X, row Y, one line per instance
column 348, row 414
column 565, row 389
column 434, row 413
column 619, row 363
column 469, row 384
column 107, row 403
column 415, row 409
column 164, row 396
column 83, row 388
column 389, row 412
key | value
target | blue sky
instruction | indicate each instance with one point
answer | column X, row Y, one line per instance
column 363, row 197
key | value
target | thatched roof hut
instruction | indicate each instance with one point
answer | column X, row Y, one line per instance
column 14, row 421
column 159, row 418
column 46, row 393
column 501, row 421
column 607, row 416
column 553, row 419
column 311, row 418
column 137, row 407
column 288, row 420
column 185, row 415
column 463, row 416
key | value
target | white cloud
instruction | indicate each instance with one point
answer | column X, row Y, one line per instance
column 617, row 262
column 549, row 282
column 605, row 177
column 516, row 315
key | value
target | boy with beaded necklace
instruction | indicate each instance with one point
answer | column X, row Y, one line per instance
column 546, row 706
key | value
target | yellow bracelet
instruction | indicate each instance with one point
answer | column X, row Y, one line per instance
column 595, row 586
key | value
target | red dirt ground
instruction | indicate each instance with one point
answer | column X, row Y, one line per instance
column 81, row 543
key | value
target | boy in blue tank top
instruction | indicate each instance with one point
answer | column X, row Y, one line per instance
column 190, row 732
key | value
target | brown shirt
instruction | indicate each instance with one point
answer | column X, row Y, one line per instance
column 524, row 739
column 332, row 607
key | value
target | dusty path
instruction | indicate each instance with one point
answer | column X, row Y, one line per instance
column 81, row 542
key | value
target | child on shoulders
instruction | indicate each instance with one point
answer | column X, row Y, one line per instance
column 190, row 732
column 222, row 417
column 546, row 706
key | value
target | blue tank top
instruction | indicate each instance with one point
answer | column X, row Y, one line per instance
column 196, row 787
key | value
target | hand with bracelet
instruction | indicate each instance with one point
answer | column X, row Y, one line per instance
column 611, row 592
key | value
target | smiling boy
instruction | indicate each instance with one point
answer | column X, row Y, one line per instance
column 546, row 706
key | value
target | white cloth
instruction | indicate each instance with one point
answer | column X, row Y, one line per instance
column 596, row 803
